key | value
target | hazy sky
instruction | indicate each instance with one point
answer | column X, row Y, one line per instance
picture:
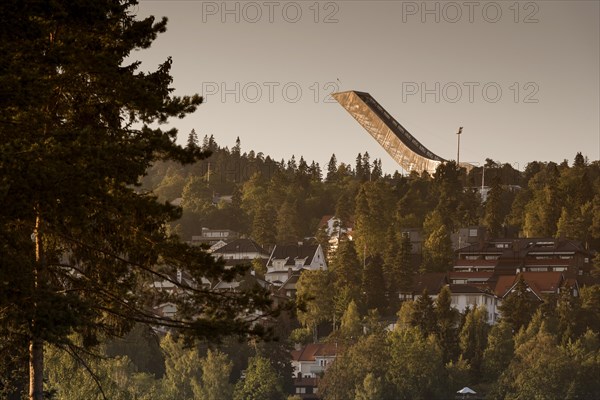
column 522, row 78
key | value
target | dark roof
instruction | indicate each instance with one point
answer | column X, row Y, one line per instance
column 460, row 288
column 293, row 252
column 519, row 248
column 241, row 246
column 293, row 279
column 588, row 280
column 433, row 282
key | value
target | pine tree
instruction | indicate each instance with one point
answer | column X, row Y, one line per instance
column 406, row 271
column 399, row 270
column 446, row 322
column 192, row 141
column 81, row 240
column 331, row 169
column 237, row 149
column 416, row 368
column 351, row 326
column 373, row 284
column 314, row 291
column 346, row 269
column 359, row 171
column 366, row 166
column 473, row 339
column 493, row 218
column 315, row 172
column 519, row 306
column 542, row 212
column 499, row 351
column 377, row 171
column 423, row 314
column 437, row 251
column 344, row 210
column 289, row 225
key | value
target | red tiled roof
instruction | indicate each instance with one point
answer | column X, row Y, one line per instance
column 543, row 282
column 539, row 282
column 324, row 220
column 312, row 350
column 504, row 283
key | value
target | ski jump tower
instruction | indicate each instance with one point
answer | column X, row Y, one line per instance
column 393, row 137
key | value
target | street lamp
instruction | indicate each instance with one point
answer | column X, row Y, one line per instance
column 458, row 150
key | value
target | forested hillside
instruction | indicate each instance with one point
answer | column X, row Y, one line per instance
column 283, row 201
column 549, row 348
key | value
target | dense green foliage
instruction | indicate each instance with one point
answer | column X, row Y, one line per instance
column 431, row 357
column 546, row 199
column 80, row 240
column 88, row 185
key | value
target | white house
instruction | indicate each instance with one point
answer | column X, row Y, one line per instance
column 287, row 259
column 241, row 249
column 464, row 296
column 312, row 360
column 335, row 231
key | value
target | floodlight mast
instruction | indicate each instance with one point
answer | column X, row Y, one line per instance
column 458, row 147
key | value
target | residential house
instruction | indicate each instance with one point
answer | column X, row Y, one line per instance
column 212, row 236
column 288, row 287
column 416, row 241
column 464, row 296
column 511, row 256
column 309, row 363
column 433, row 282
column 540, row 284
column 287, row 259
column 241, row 249
column 176, row 282
column 248, row 281
column 335, row 231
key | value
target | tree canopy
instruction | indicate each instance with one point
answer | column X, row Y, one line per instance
column 81, row 240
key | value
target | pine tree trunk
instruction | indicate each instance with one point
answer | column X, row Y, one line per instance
column 36, row 369
column 36, row 345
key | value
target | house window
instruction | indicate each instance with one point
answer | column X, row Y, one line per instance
column 279, row 264
column 300, row 390
column 473, row 232
column 322, row 363
column 471, row 257
column 537, row 269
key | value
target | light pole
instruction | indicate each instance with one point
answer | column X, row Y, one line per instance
column 458, row 149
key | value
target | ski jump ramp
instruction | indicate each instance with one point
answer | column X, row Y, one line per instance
column 393, row 137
